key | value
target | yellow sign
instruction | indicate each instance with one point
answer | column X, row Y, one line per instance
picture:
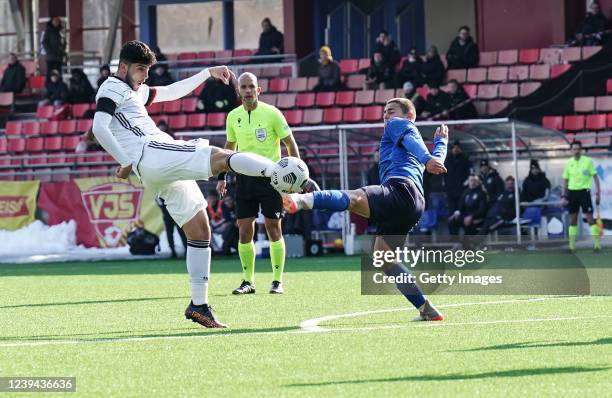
column 17, row 203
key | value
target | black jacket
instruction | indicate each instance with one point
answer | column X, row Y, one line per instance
column 493, row 184
column 505, row 207
column 462, row 56
column 412, row 72
column 594, row 23
column 459, row 168
column 438, row 103
column 466, row 111
column 329, row 77
column 57, row 91
column 390, row 53
column 14, row 79
column 270, row 39
column 380, row 73
column 534, row 187
column 156, row 80
column 433, row 71
column 218, row 97
column 54, row 43
column 473, row 203
column 80, row 91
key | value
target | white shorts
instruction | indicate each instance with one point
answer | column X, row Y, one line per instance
column 171, row 168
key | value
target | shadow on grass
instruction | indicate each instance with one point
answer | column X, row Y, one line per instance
column 604, row 341
column 171, row 266
column 126, row 300
column 461, row 376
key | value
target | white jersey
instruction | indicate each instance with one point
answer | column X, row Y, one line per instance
column 131, row 124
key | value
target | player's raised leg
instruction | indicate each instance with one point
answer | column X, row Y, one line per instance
column 356, row 201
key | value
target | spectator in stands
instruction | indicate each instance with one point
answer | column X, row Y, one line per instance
column 329, row 72
column 502, row 211
column 387, row 47
column 104, row 74
column 472, row 209
column 54, row 44
column 416, row 98
column 217, row 97
column 438, row 103
column 433, row 185
column 271, row 41
column 379, row 74
column 492, row 182
column 170, row 225
column 433, row 69
column 80, row 91
column 536, row 186
column 412, row 71
column 373, row 175
column 463, row 51
column 14, row 78
column 161, row 58
column 159, row 77
column 459, row 169
column 56, row 91
column 588, row 33
column 231, row 232
column 461, row 106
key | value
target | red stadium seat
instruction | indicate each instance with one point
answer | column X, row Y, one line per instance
column 518, row 72
column 53, row 143
column 573, row 123
column 332, row 115
column 30, row 128
column 12, row 128
column 30, row 67
column 325, row 99
column 372, row 113
column 364, row 97
column 177, row 122
column 187, row 56
column 279, row 85
column 216, row 119
column 584, row 104
column 16, row 145
column 70, row 143
column 539, row 72
column 553, row 122
column 352, row 115
column 457, row 74
column 223, row 54
column 155, row 108
column 37, row 159
column 609, row 86
column 589, row 51
column 488, row 58
column 3, row 145
column 49, row 128
column 498, row 73
column 596, row 122
column 508, row 90
column 382, row 96
column 476, row 75
column 604, row 104
column 171, row 106
column 528, row 88
column 313, row 116
column 305, row 100
column 286, row 71
column 243, row 52
column 610, row 120
column 355, row 82
column 345, row 98
column 44, row 112
column 487, row 91
column 496, row 106
column 529, row 55
column 198, row 90
column 364, row 63
column 558, row 70
column 189, row 105
column 570, row 54
column 196, row 120
column 207, row 57
column 349, row 66
column 423, row 92
column 78, row 110
column 285, row 101
column 312, row 82
column 269, row 99
column 470, row 89
column 36, row 83
column 507, row 57
column 34, row 145
column 84, row 125
column 294, row 117
column 67, row 127
column 299, row 84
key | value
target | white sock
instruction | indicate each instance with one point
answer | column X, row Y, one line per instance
column 250, row 164
column 308, row 200
column 198, row 266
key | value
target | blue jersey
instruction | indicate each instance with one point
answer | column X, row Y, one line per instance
column 403, row 152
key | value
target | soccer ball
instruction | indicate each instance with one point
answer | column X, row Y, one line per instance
column 289, row 175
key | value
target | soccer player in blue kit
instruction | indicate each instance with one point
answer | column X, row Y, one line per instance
column 397, row 204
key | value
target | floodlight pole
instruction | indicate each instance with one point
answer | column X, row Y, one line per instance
column 516, row 188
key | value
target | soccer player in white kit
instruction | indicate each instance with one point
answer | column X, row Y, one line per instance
column 167, row 166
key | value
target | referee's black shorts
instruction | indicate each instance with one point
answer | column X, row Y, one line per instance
column 255, row 192
column 580, row 199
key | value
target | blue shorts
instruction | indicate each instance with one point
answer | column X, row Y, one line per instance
column 395, row 206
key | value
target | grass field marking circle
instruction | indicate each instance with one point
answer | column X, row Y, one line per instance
column 312, row 325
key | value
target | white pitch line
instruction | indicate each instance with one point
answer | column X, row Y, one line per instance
column 312, row 325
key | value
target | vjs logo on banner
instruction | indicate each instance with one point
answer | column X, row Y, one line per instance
column 112, row 206
column 17, row 203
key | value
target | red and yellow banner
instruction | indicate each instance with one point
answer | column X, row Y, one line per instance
column 17, row 203
column 105, row 208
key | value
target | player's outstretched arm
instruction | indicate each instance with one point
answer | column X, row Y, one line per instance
column 108, row 141
column 184, row 87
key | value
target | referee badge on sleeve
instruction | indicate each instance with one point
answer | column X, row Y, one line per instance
column 261, row 134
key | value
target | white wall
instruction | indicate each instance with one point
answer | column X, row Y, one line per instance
column 444, row 17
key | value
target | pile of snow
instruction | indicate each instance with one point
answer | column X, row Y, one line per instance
column 38, row 238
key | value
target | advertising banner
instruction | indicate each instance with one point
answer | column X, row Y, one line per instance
column 17, row 203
